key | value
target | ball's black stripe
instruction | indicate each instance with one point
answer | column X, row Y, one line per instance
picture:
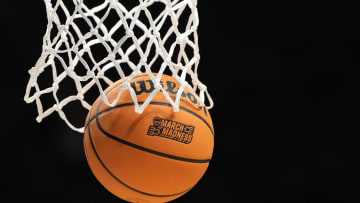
column 120, row 181
column 141, row 147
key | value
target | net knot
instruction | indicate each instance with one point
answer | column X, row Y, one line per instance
column 202, row 87
column 63, row 32
column 57, row 107
column 125, row 58
column 86, row 48
column 112, row 56
column 101, row 75
column 156, row 34
column 113, row 3
column 33, row 71
column 142, row 6
column 127, row 85
column 107, row 38
column 90, row 74
column 169, row 9
column 158, row 86
column 143, row 61
column 182, row 38
column 130, row 33
column 80, row 96
column 55, row 86
column 197, row 56
column 167, row 60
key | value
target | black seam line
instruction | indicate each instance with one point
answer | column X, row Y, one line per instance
column 153, row 103
column 148, row 150
column 121, row 182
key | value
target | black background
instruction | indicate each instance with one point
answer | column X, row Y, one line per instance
column 277, row 74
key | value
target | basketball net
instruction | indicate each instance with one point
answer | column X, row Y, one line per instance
column 146, row 37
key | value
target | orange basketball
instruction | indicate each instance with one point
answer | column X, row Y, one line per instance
column 156, row 156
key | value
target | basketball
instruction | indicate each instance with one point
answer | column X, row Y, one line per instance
column 156, row 156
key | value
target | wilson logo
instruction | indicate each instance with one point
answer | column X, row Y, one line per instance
column 172, row 130
column 147, row 86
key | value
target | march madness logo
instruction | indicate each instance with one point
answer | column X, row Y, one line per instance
column 171, row 130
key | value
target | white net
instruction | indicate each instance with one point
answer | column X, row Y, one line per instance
column 95, row 43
